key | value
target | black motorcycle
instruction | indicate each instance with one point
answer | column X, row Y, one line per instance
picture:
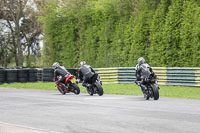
column 152, row 88
column 94, row 86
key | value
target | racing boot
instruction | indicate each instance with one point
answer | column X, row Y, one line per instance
column 84, row 84
column 66, row 87
column 144, row 91
column 143, row 88
column 147, row 95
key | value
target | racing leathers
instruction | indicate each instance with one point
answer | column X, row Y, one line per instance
column 141, row 72
column 85, row 73
column 61, row 71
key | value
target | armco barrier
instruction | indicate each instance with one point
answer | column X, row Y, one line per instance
column 183, row 76
column 166, row 75
column 117, row 74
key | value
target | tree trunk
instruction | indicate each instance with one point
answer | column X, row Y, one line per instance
column 15, row 50
column 14, row 43
column 28, row 58
column 19, row 47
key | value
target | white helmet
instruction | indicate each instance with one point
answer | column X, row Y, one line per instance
column 141, row 60
column 82, row 63
column 55, row 65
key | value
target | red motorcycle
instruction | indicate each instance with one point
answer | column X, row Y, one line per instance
column 70, row 83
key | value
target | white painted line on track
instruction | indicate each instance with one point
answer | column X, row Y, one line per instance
column 13, row 128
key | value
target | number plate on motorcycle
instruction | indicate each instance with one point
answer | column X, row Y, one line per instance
column 73, row 80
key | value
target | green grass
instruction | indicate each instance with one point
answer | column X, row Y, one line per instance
column 122, row 89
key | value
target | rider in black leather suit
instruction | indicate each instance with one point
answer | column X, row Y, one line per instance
column 142, row 69
column 60, row 71
column 85, row 73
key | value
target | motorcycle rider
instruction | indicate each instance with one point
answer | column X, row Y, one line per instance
column 85, row 72
column 60, row 71
column 142, row 69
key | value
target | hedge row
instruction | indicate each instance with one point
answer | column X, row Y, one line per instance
column 107, row 33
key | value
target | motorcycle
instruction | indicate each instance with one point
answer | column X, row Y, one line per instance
column 70, row 83
column 152, row 88
column 94, row 86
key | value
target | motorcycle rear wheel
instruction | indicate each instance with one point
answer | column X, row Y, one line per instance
column 155, row 92
column 61, row 91
column 99, row 88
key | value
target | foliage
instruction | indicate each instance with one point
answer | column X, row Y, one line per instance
column 6, row 48
column 157, row 32
column 141, row 43
column 171, row 35
column 116, row 32
column 19, row 18
column 189, row 34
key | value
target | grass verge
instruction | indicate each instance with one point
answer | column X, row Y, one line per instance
column 122, row 89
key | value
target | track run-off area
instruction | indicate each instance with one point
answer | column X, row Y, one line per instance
column 42, row 111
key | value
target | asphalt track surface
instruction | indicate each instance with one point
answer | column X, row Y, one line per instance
column 39, row 111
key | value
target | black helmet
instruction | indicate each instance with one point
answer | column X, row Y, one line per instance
column 55, row 65
column 141, row 60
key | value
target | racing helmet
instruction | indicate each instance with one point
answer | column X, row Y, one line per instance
column 82, row 63
column 141, row 60
column 55, row 65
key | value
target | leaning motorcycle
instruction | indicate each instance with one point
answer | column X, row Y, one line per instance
column 94, row 86
column 152, row 88
column 70, row 83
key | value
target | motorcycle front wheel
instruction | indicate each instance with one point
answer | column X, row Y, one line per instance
column 76, row 89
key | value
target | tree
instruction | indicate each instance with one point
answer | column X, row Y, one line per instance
column 12, row 12
column 19, row 15
column 31, row 31
column 6, row 48
column 141, row 42
column 156, row 34
column 128, row 40
column 116, row 32
column 171, row 34
column 189, row 39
